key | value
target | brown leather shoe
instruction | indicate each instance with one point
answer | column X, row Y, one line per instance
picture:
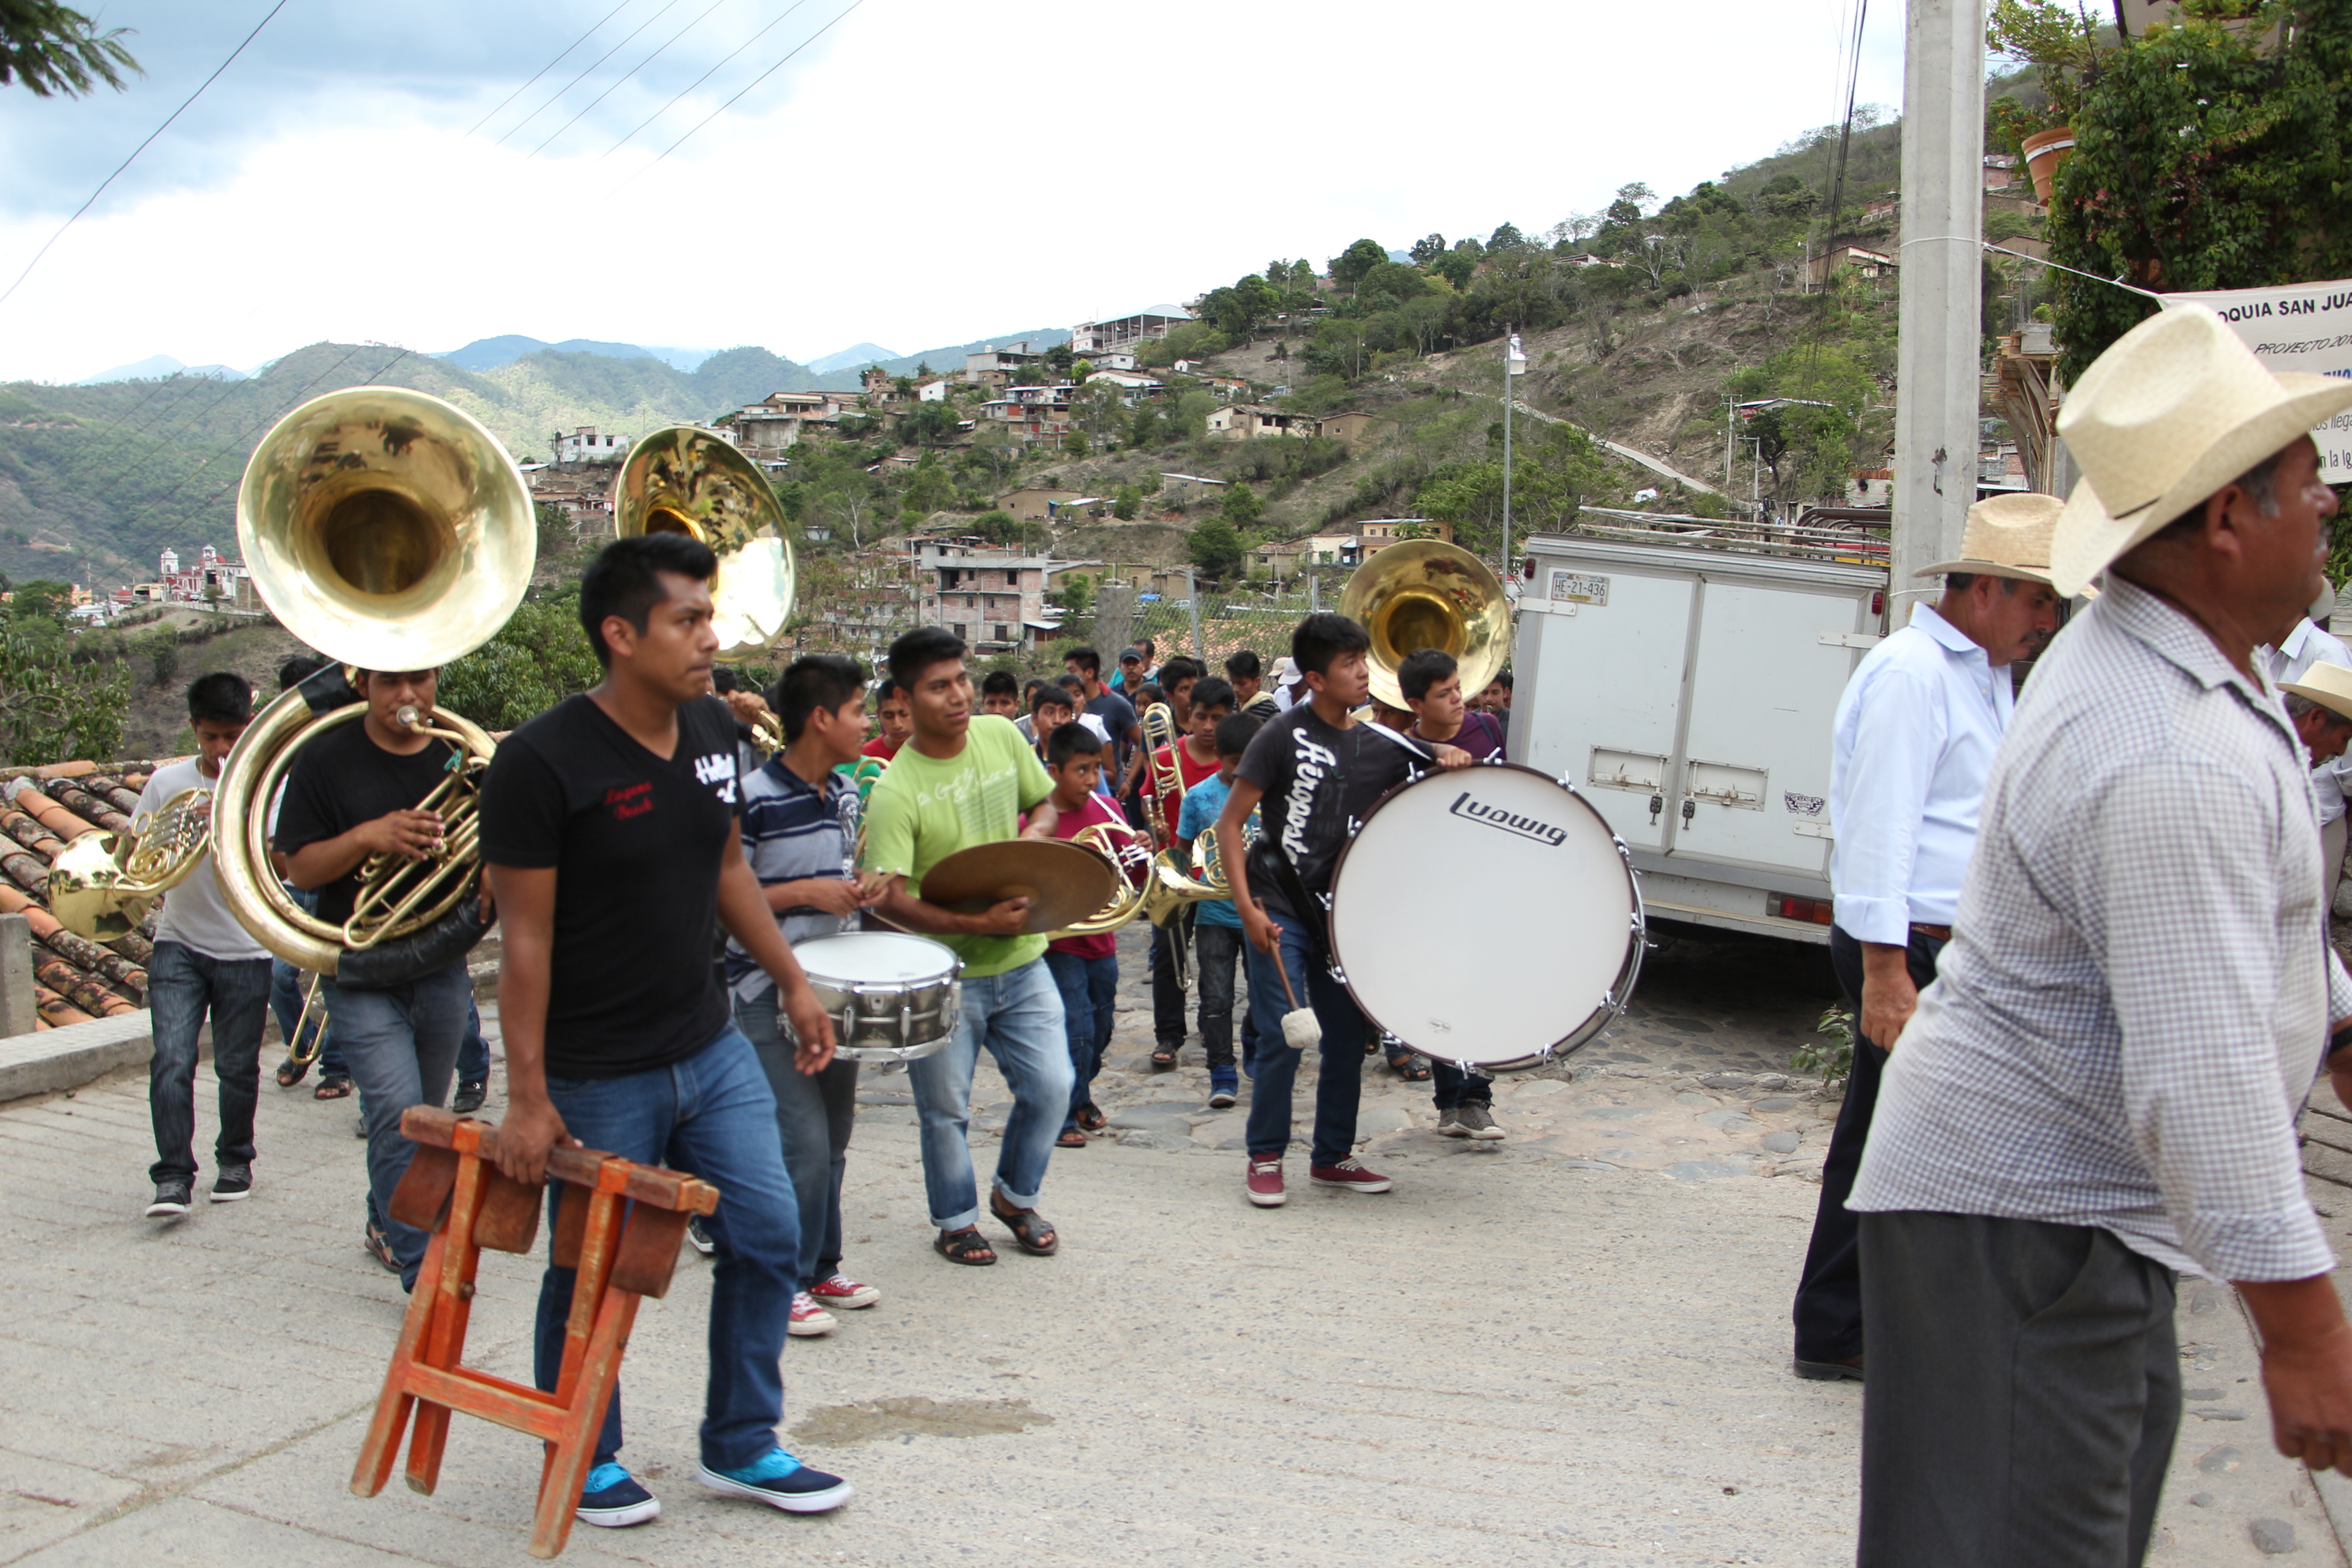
column 1829, row 1371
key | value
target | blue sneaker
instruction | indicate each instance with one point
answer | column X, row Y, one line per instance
column 1224, row 1089
column 612, row 1499
column 781, row 1481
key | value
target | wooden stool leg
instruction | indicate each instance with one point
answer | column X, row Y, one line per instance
column 598, row 1243
column 445, row 1337
column 575, row 1450
column 383, row 1444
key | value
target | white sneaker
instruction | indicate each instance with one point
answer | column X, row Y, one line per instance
column 809, row 1320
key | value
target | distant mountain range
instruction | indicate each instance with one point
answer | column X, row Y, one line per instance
column 154, row 368
column 855, row 357
column 488, row 353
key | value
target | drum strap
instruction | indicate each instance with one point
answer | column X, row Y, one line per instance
column 1401, row 740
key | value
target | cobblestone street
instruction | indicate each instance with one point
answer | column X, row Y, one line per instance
column 1568, row 1349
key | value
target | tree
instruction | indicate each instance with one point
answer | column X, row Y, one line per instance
column 1099, row 409
column 929, row 425
column 1506, row 237
column 1059, row 358
column 43, row 599
column 1552, row 472
column 1241, row 505
column 52, row 708
column 1126, row 501
column 1457, row 267
column 537, row 659
column 53, row 50
column 1217, row 548
column 1347, row 267
column 556, row 534
column 1077, row 594
column 1428, row 248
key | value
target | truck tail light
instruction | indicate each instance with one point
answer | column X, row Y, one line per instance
column 1812, row 911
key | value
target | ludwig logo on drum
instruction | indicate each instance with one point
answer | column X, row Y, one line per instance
column 1495, row 816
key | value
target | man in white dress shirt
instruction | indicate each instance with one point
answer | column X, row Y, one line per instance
column 2310, row 644
column 2101, row 1088
column 1915, row 737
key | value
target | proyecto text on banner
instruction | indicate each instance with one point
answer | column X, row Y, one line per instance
column 2304, row 327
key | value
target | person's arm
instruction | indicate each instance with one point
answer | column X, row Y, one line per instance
column 2306, row 1367
column 907, row 912
column 532, row 1125
column 831, row 895
column 745, row 914
column 1044, row 818
column 1897, row 735
column 413, row 833
column 1255, row 922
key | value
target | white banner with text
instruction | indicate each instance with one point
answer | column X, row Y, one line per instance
column 2304, row 327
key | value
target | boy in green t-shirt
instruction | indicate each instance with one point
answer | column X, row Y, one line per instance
column 963, row 780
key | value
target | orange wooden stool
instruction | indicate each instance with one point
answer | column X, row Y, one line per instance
column 623, row 1240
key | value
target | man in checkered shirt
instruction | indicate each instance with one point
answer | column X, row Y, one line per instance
column 2101, row 1087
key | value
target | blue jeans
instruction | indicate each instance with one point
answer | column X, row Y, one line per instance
column 1339, row 1087
column 712, row 1116
column 473, row 1052
column 1090, row 988
column 1018, row 1017
column 815, row 1114
column 400, row 1044
column 183, row 984
column 1450, row 1086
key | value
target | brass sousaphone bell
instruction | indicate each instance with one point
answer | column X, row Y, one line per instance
column 684, row 480
column 1425, row 593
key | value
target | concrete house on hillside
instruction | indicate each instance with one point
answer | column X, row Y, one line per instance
column 776, row 423
column 999, row 367
column 1134, row 386
column 1034, row 504
column 1849, row 259
column 878, row 387
column 1250, row 421
column 994, row 601
column 932, row 391
column 1091, row 338
column 584, row 446
column 1033, row 413
column 1350, row 427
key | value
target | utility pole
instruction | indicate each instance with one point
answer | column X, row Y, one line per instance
column 1940, row 315
column 1515, row 362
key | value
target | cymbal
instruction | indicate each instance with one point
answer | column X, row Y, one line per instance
column 1063, row 881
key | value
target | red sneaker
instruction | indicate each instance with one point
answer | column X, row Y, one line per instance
column 1352, row 1173
column 840, row 1290
column 809, row 1320
column 1265, row 1183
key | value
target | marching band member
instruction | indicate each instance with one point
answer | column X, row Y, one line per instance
column 609, row 828
column 2101, row 1088
column 204, row 961
column 963, row 780
column 1314, row 769
column 1913, row 741
column 351, row 795
column 2308, row 645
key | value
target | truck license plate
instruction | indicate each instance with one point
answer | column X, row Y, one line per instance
column 1569, row 587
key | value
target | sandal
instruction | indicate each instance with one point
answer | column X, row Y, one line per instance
column 291, row 1072
column 1027, row 1226
column 1163, row 1057
column 966, row 1246
column 1409, row 1068
column 1071, row 1138
column 333, row 1088
column 1091, row 1118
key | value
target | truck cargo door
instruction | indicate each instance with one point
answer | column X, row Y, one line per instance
column 1770, row 665
column 1604, row 689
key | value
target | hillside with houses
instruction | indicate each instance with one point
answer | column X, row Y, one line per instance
column 1727, row 350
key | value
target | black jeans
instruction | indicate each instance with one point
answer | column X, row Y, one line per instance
column 183, row 984
column 1167, row 990
column 1450, row 1086
column 2023, row 1396
column 1828, row 1310
column 1216, row 953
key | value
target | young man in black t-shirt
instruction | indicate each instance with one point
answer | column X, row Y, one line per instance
column 1309, row 774
column 610, row 828
column 352, row 793
column 1117, row 711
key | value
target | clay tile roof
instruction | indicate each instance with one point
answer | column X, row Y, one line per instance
column 74, row 980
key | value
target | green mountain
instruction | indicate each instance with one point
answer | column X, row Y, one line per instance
column 111, row 474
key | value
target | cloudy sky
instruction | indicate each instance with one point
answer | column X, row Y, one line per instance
column 923, row 173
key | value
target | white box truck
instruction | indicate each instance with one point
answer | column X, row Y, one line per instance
column 1683, row 675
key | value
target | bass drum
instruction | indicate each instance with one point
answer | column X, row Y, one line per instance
column 1488, row 917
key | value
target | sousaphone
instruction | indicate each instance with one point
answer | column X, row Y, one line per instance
column 1423, row 594
column 685, row 480
column 391, row 531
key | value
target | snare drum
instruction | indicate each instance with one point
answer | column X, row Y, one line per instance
column 1487, row 916
column 892, row 997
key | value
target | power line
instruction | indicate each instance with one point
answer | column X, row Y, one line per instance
column 164, row 438
column 625, row 76
column 706, row 75
column 140, row 148
column 667, row 6
column 755, row 81
column 549, row 66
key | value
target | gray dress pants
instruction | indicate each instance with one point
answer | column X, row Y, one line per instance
column 2024, row 1389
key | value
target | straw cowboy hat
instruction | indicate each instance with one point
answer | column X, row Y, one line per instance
column 2006, row 536
column 2175, row 409
column 2328, row 685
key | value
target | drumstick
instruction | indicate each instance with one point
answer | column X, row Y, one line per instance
column 1301, row 1031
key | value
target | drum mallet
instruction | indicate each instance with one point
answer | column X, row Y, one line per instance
column 1300, row 1032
